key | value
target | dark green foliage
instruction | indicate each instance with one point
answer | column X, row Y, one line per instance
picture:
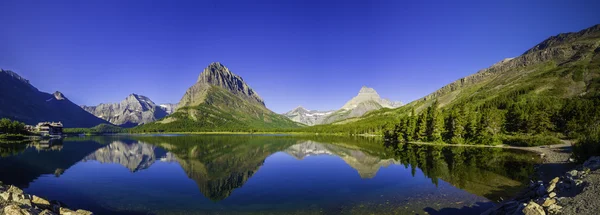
column 8, row 126
column 587, row 146
column 222, row 111
column 525, row 140
column 99, row 129
column 434, row 123
column 490, row 172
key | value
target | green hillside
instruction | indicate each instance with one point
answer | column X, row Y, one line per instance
column 220, row 111
column 549, row 92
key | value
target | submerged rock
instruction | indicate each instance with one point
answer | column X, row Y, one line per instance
column 592, row 163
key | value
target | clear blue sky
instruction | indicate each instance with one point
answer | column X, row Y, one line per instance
column 316, row 54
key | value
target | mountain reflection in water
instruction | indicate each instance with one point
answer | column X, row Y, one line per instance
column 219, row 165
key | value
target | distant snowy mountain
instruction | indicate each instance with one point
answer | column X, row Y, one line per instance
column 367, row 100
column 307, row 117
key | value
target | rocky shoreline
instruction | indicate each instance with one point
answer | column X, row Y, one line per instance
column 13, row 201
column 574, row 192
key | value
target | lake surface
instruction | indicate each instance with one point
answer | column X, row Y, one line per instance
column 244, row 174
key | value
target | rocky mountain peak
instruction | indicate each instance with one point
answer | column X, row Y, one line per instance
column 365, row 94
column 299, row 108
column 367, row 90
column 135, row 109
column 59, row 96
column 216, row 74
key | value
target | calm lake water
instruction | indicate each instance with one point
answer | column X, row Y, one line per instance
column 244, row 174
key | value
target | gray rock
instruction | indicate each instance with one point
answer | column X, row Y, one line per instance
column 24, row 201
column 216, row 74
column 533, row 209
column 554, row 209
column 16, row 210
column 134, row 110
column 83, row 212
column 47, row 212
column 14, row 190
column 6, row 196
column 551, row 187
column 40, row 202
column 572, row 173
column 549, row 201
column 13, row 210
column 307, row 117
column 554, row 180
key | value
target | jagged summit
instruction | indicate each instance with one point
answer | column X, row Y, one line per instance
column 220, row 101
column 216, row 74
column 134, row 110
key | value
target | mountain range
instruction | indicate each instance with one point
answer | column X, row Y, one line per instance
column 19, row 100
column 563, row 66
column 132, row 111
column 367, row 100
column 220, row 100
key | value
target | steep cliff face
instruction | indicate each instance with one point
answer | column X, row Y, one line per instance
column 19, row 100
column 133, row 110
column 218, row 75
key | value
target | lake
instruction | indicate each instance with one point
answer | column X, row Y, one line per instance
column 264, row 174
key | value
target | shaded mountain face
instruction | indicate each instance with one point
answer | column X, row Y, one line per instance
column 19, row 100
column 307, row 117
column 220, row 101
column 367, row 100
column 133, row 110
column 37, row 159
